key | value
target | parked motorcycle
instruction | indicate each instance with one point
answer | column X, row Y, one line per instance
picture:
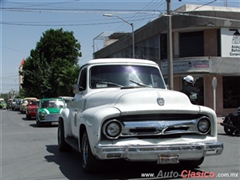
column 231, row 123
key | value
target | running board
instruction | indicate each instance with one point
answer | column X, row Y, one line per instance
column 73, row 142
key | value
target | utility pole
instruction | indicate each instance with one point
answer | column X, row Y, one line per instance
column 169, row 45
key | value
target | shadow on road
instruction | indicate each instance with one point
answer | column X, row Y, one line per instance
column 70, row 165
column 47, row 125
column 25, row 119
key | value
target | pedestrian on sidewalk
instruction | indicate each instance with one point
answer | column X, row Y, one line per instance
column 189, row 89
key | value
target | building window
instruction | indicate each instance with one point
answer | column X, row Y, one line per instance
column 231, row 91
column 191, row 44
column 163, row 46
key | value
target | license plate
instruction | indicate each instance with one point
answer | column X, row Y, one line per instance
column 168, row 159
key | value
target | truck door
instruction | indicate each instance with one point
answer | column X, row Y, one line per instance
column 78, row 102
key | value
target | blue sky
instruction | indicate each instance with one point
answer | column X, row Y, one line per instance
column 24, row 21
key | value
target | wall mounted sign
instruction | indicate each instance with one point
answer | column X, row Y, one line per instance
column 183, row 66
column 230, row 42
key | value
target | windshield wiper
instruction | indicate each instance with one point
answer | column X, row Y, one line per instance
column 111, row 83
column 139, row 83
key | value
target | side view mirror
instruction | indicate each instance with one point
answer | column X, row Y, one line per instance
column 75, row 89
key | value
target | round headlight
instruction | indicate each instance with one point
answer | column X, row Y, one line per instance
column 112, row 129
column 42, row 114
column 203, row 125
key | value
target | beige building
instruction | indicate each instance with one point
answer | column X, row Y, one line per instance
column 205, row 43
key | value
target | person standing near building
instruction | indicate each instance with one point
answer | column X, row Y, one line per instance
column 189, row 89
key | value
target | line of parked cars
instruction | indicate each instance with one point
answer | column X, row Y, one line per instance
column 45, row 110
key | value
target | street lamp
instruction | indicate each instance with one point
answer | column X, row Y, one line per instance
column 131, row 24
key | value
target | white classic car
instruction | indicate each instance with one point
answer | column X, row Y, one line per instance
column 122, row 109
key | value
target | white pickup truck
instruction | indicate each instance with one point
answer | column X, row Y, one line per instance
column 122, row 109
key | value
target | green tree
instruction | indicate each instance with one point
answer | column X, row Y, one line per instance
column 43, row 72
column 69, row 75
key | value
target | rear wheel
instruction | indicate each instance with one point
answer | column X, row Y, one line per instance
column 62, row 145
column 89, row 162
column 227, row 130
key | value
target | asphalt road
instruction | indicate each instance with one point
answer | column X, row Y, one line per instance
column 28, row 152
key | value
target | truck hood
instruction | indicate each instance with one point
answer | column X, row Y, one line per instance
column 141, row 100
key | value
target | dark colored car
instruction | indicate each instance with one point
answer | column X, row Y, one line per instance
column 31, row 111
column 16, row 106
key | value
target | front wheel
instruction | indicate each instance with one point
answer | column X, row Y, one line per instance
column 39, row 124
column 28, row 117
column 227, row 130
column 89, row 162
column 62, row 144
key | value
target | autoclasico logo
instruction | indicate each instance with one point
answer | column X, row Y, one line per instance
column 199, row 174
column 183, row 174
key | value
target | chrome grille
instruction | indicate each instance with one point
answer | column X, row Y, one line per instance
column 52, row 117
column 159, row 125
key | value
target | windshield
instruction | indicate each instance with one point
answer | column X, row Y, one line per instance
column 125, row 76
column 2, row 102
column 52, row 104
column 33, row 103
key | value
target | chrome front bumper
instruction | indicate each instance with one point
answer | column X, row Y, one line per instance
column 49, row 118
column 185, row 151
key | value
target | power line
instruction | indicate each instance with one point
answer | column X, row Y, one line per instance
column 139, row 16
column 45, row 4
column 80, row 11
column 205, row 4
column 13, row 49
column 64, row 24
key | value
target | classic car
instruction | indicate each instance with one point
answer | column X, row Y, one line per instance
column 31, row 111
column 3, row 104
column 9, row 103
column 49, row 110
column 24, row 104
column 122, row 109
column 13, row 102
column 16, row 106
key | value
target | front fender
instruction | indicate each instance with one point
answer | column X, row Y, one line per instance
column 65, row 115
column 93, row 119
column 213, row 118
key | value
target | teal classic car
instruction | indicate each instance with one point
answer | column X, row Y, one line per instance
column 3, row 104
column 49, row 110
